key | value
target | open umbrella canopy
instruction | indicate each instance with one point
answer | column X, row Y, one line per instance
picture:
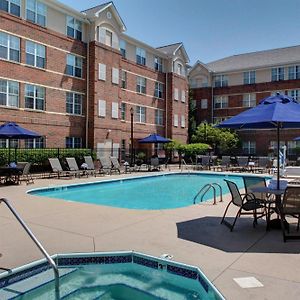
column 11, row 130
column 274, row 112
column 297, row 138
column 154, row 139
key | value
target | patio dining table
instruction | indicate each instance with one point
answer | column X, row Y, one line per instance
column 10, row 175
column 276, row 202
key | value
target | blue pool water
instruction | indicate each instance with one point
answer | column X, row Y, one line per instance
column 150, row 193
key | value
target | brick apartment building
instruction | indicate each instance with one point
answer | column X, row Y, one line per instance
column 226, row 87
column 77, row 79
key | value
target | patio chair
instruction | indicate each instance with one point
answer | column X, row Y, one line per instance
column 106, row 165
column 154, row 164
column 115, row 164
column 205, row 162
column 57, row 168
column 246, row 203
column 290, row 206
column 263, row 163
column 72, row 165
column 26, row 175
column 225, row 163
column 91, row 166
column 242, row 162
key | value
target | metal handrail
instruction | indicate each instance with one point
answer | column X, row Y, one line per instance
column 206, row 188
column 38, row 244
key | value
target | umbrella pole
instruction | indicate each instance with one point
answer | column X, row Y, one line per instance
column 8, row 151
column 278, row 152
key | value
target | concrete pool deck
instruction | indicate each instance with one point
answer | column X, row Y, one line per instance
column 193, row 235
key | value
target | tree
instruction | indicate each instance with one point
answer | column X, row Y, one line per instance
column 224, row 140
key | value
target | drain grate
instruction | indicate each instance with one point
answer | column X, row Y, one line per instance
column 248, row 282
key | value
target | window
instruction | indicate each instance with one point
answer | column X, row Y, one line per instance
column 141, row 85
column 4, row 143
column 158, row 64
column 249, row 147
column 108, row 38
column 123, row 79
column 221, row 81
column 182, row 121
column 102, row 72
column 74, row 103
column 115, row 76
column 11, row 6
column 220, row 101
column 249, row 77
column 102, row 108
column 140, row 56
column 179, row 69
column 36, row 12
column 277, row 74
column 74, row 65
column 73, row 142
column 159, row 117
column 183, row 96
column 294, row 72
column 123, row 48
column 203, row 103
column 249, row 100
column 74, row 28
column 34, row 97
column 294, row 94
column 140, row 114
column 176, row 94
column 38, row 143
column 115, row 110
column 9, row 93
column 158, row 92
column 292, row 147
column 273, row 145
column 9, row 47
column 175, row 120
column 35, row 54
column 123, row 111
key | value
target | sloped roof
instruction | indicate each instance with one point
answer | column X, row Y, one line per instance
column 171, row 49
column 256, row 60
column 95, row 9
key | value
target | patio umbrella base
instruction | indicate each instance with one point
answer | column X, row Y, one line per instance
column 275, row 224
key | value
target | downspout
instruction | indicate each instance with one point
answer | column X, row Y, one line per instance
column 212, row 100
column 166, row 118
column 87, row 90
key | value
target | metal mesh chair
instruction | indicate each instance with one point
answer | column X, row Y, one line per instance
column 246, row 203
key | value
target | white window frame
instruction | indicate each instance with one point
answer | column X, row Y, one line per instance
column 140, row 114
column 159, row 117
column 9, row 88
column 9, row 7
column 175, row 120
column 73, row 139
column 37, row 11
column 277, row 74
column 115, row 110
column 294, row 72
column 35, row 97
column 159, row 90
column 250, row 77
column 294, row 94
column 76, row 25
column 115, row 76
column 76, row 63
column 158, row 64
column 220, row 80
column 73, row 97
column 249, row 100
column 123, row 79
column 182, row 121
column 140, row 56
column 141, row 85
column 122, row 45
column 10, row 42
column 108, row 37
column 37, row 143
column 249, row 147
column 38, row 51
column 221, row 102
column 183, row 96
column 123, row 111
column 102, row 108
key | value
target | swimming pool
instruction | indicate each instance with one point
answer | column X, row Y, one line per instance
column 165, row 191
column 123, row 275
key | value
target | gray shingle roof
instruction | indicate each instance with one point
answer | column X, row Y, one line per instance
column 169, row 49
column 253, row 60
column 93, row 10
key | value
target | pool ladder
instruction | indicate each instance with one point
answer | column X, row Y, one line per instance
column 38, row 244
column 204, row 190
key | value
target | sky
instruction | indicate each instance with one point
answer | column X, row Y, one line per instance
column 209, row 29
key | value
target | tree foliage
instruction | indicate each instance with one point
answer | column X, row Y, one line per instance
column 224, row 140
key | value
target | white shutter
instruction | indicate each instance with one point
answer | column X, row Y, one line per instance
column 175, row 120
column 115, row 75
column 115, row 149
column 183, row 96
column 115, row 110
column 102, row 35
column 102, row 72
column 102, row 108
column 176, row 94
column 115, row 41
column 183, row 121
column 203, row 103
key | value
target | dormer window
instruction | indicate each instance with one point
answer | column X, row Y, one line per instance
column 74, row 28
column 179, row 69
column 108, row 38
column 140, row 56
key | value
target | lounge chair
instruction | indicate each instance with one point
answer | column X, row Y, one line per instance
column 247, row 204
column 26, row 176
column 57, row 168
column 106, row 165
column 205, row 162
column 242, row 162
column 263, row 163
column 115, row 164
column 72, row 164
column 91, row 166
column 154, row 164
column 290, row 207
column 225, row 163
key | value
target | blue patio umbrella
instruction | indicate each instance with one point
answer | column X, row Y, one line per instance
column 297, row 138
column 11, row 130
column 274, row 112
column 154, row 139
